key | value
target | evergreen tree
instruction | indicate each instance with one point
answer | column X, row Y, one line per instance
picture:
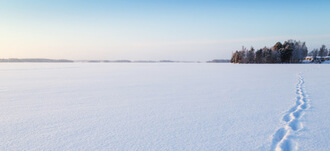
column 286, row 53
column 259, row 56
column 251, row 55
column 323, row 51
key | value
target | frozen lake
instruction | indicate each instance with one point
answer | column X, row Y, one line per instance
column 85, row 106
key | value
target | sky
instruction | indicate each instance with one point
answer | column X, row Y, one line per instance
column 186, row 30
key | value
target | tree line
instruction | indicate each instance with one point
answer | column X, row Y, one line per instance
column 322, row 52
column 290, row 51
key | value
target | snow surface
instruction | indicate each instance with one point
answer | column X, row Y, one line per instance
column 81, row 106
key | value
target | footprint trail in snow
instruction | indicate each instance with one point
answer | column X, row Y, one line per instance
column 283, row 138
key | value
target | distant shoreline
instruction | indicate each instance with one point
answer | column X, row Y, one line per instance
column 43, row 60
column 34, row 60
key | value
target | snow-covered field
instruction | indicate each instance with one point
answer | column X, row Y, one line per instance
column 81, row 106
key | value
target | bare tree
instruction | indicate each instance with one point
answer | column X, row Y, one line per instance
column 314, row 54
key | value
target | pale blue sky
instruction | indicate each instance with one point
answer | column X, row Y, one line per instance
column 154, row 30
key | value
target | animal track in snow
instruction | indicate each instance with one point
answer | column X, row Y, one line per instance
column 282, row 139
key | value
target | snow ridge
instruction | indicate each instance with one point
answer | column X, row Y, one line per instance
column 283, row 138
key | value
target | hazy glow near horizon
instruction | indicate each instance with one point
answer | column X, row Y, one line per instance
column 149, row 30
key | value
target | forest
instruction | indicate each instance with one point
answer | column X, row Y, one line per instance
column 290, row 51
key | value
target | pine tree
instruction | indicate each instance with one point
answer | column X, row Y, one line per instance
column 322, row 51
